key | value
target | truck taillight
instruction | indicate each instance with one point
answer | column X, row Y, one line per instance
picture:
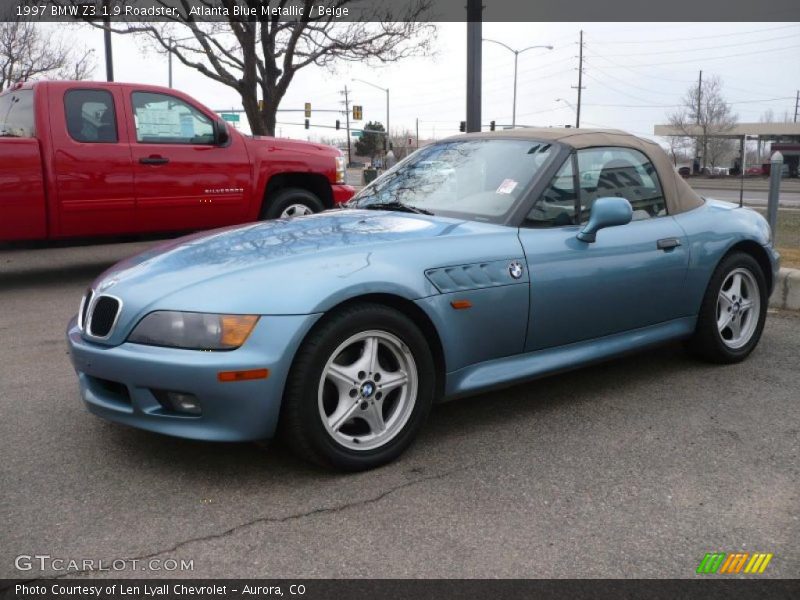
column 340, row 171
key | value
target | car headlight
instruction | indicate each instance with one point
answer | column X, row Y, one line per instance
column 193, row 331
column 340, row 170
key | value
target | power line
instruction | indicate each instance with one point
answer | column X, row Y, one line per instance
column 695, row 60
column 688, row 39
column 684, row 50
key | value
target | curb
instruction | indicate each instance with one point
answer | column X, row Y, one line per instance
column 787, row 290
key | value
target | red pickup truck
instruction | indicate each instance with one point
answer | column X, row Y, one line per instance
column 85, row 159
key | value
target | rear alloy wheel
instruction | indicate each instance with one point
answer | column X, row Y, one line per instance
column 733, row 312
column 360, row 388
column 738, row 308
column 291, row 202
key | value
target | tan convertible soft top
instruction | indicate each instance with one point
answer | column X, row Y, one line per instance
column 678, row 195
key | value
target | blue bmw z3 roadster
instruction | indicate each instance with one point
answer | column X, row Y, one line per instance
column 480, row 261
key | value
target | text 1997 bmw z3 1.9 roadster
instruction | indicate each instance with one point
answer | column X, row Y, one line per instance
column 480, row 261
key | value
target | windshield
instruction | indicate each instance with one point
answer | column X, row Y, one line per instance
column 481, row 179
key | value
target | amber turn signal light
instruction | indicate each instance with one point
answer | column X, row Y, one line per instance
column 236, row 329
column 227, row 376
column 461, row 304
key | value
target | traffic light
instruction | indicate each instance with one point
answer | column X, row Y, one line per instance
column 357, row 111
column 491, row 125
column 308, row 110
column 338, row 124
column 462, row 126
column 306, row 123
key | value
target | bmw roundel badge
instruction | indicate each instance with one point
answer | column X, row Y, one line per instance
column 515, row 269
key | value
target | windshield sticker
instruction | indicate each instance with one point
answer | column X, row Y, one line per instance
column 506, row 187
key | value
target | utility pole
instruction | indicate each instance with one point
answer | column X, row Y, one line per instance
column 697, row 120
column 169, row 59
column 107, row 43
column 347, row 121
column 474, row 34
column 699, row 96
column 580, row 82
column 417, row 133
column 796, row 105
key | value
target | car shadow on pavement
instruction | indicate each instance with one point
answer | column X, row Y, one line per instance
column 458, row 423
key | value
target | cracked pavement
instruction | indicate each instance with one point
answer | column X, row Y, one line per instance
column 633, row 468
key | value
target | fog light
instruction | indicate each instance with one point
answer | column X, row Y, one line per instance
column 180, row 402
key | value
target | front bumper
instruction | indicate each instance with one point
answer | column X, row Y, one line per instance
column 342, row 193
column 118, row 383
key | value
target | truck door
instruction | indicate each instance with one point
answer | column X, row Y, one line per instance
column 184, row 180
column 91, row 162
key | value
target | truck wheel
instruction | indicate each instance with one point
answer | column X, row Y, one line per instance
column 733, row 311
column 291, row 202
column 360, row 389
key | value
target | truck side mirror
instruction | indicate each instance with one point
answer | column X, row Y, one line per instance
column 221, row 135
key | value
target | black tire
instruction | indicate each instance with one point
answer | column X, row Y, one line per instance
column 301, row 424
column 708, row 342
column 277, row 203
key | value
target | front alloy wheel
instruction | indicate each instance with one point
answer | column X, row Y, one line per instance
column 368, row 390
column 360, row 388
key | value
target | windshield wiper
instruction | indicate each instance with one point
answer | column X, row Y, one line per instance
column 399, row 206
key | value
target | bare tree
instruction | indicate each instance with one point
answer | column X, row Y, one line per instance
column 768, row 116
column 679, row 148
column 705, row 116
column 25, row 54
column 261, row 57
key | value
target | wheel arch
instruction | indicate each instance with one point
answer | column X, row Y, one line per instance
column 315, row 183
column 411, row 310
column 759, row 253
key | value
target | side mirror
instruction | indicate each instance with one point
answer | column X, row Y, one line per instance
column 606, row 212
column 221, row 135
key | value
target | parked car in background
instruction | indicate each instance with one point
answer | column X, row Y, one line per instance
column 85, row 159
column 479, row 261
column 684, row 172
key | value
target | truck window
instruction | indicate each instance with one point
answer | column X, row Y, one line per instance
column 164, row 119
column 90, row 116
column 16, row 114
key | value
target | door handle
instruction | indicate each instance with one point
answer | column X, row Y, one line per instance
column 153, row 160
column 668, row 243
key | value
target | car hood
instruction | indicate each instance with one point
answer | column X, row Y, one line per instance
column 281, row 266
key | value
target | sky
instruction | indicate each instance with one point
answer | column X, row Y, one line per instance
column 634, row 75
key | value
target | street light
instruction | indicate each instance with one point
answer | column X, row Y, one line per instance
column 386, row 137
column 169, row 53
column 516, row 58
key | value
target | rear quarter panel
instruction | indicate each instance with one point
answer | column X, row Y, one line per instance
column 713, row 229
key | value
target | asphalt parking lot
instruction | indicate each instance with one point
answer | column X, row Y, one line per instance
column 634, row 468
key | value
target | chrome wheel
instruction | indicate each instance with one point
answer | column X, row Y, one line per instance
column 738, row 308
column 368, row 390
column 296, row 210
